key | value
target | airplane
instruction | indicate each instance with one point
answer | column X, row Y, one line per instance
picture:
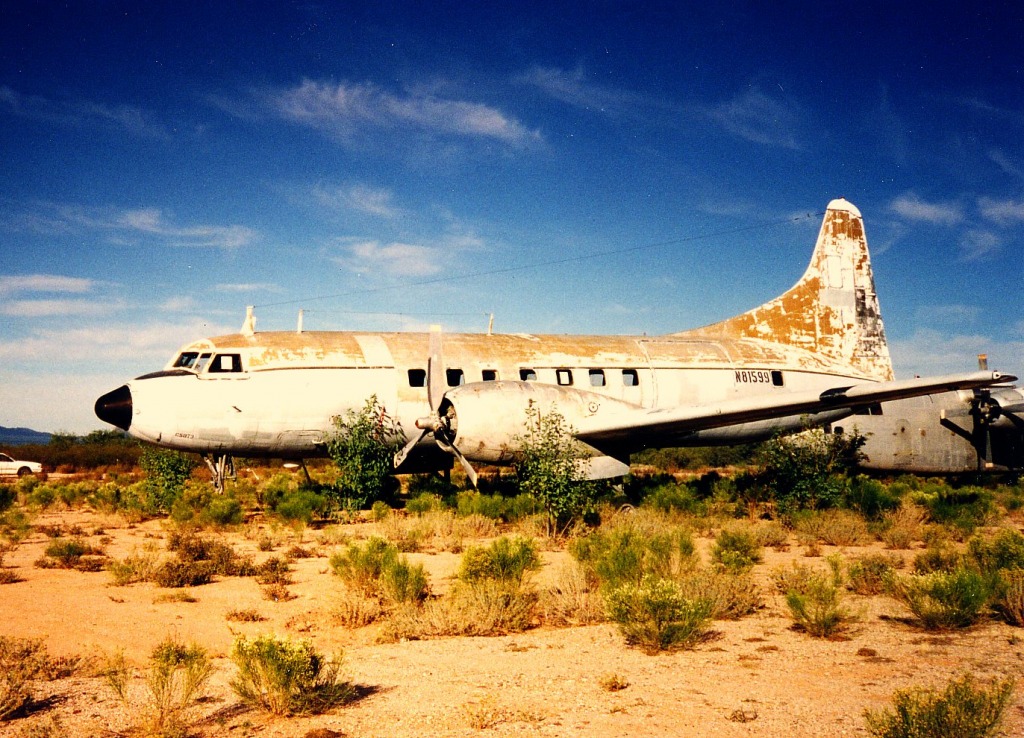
column 966, row 431
column 811, row 356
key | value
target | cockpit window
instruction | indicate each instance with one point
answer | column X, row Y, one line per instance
column 200, row 363
column 223, row 363
column 186, row 359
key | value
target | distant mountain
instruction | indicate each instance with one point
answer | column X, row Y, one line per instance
column 21, row 436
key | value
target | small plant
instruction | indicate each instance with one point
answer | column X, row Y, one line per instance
column 737, row 549
column 963, row 709
column 175, row 680
column 1009, row 600
column 361, row 566
column 244, row 616
column 1005, row 550
column 573, row 599
column 177, row 573
column 943, row 600
column 72, row 553
column 817, row 607
column 657, row 615
column 285, row 677
column 613, row 683
column 866, row 575
column 626, row 554
column 505, row 560
column 133, row 568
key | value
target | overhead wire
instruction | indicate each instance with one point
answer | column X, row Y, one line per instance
column 545, row 263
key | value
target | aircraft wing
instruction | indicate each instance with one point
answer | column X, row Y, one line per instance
column 629, row 428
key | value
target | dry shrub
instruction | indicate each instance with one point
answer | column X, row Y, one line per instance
column 137, row 567
column 476, row 526
column 815, row 599
column 732, row 594
column 574, row 599
column 657, row 615
column 407, row 534
column 867, row 575
column 1010, row 598
column 943, row 600
column 904, row 526
column 771, row 534
column 244, row 616
column 355, row 609
column 833, row 527
column 482, row 607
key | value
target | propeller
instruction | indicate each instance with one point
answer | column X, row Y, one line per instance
column 441, row 422
column 985, row 410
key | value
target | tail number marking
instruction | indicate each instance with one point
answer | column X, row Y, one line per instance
column 753, row 376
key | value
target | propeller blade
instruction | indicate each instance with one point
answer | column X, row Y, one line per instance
column 403, row 454
column 466, row 466
column 436, row 377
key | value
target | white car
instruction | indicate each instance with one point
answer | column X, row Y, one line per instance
column 21, row 468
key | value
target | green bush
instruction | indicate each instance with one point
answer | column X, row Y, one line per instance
column 1009, row 598
column 626, row 554
column 423, row 503
column 736, row 549
column 361, row 566
column 505, row 560
column 943, row 600
column 809, row 470
column 963, row 709
column 867, row 575
column 176, row 573
column 363, row 447
column 402, row 582
column 7, row 496
column 166, row 471
column 300, row 506
column 657, row 615
column 1003, row 551
column 961, row 510
column 871, row 498
column 674, row 497
column 285, row 677
column 816, row 602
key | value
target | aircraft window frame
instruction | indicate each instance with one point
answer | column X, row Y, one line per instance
column 489, row 375
column 417, row 378
column 185, row 360
column 454, row 377
column 199, row 366
column 216, row 365
column 527, row 375
column 630, row 378
column 597, row 378
column 563, row 377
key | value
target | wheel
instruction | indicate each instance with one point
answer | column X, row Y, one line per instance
column 23, row 471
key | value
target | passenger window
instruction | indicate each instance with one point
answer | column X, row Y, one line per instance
column 455, row 377
column 528, row 375
column 225, row 363
column 417, row 377
column 185, row 360
column 630, row 378
column 776, row 378
column 597, row 377
column 490, row 375
column 564, row 376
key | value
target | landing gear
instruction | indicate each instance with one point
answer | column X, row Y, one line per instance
column 222, row 466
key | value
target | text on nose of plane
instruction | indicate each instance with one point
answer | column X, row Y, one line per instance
column 116, row 407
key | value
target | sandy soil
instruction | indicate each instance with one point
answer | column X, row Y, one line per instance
column 755, row 677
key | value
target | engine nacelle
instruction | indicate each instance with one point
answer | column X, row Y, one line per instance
column 488, row 419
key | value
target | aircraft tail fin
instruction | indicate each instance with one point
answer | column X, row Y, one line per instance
column 832, row 311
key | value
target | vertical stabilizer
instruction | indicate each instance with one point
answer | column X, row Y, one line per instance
column 833, row 310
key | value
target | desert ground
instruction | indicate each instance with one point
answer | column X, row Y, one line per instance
column 757, row 676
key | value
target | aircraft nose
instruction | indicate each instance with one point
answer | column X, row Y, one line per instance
column 116, row 407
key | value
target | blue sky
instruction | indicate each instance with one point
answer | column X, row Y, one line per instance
column 605, row 167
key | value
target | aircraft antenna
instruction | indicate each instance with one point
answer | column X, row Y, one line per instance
column 298, row 328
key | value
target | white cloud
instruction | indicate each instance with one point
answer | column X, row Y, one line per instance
column 959, row 315
column 930, row 352
column 756, row 117
column 343, row 109
column 54, row 308
column 912, row 207
column 396, row 259
column 44, row 283
column 125, row 226
column 248, row 287
column 127, row 118
column 978, row 244
column 1002, row 212
column 364, row 199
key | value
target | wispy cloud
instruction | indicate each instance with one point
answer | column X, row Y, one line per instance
column 127, row 118
column 126, row 226
column 344, row 109
column 1005, row 163
column 247, row 287
column 55, row 308
column 361, row 198
column 912, row 207
column 395, row 259
column 1002, row 212
column 932, row 352
column 760, row 118
column 44, row 283
column 958, row 315
column 576, row 89
column 976, row 245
